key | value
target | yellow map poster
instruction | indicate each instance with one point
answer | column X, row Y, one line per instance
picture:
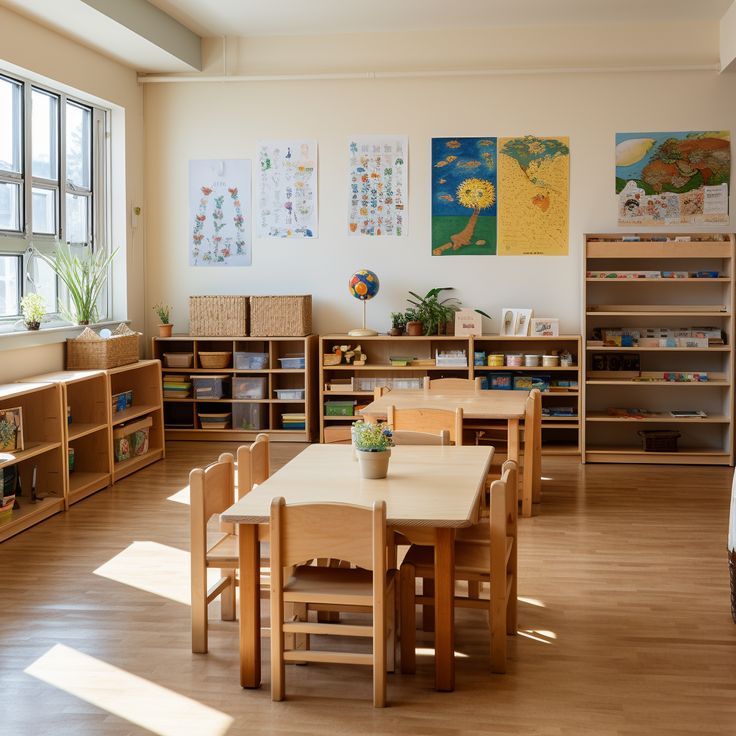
column 533, row 196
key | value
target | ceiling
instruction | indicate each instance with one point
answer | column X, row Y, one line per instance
column 308, row 17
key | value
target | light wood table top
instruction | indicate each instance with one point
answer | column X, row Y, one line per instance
column 475, row 404
column 427, row 486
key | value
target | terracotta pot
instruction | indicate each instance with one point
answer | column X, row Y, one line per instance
column 165, row 330
column 396, row 332
column 373, row 465
column 414, row 329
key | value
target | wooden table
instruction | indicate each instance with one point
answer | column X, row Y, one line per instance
column 508, row 406
column 430, row 492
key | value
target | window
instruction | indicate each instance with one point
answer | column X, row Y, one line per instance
column 53, row 159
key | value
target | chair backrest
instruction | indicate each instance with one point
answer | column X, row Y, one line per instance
column 338, row 435
column 211, row 491
column 302, row 532
column 428, row 420
column 254, row 464
column 407, row 437
column 504, row 515
column 380, row 391
column 453, row 384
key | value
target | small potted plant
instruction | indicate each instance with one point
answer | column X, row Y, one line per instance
column 414, row 326
column 33, row 309
column 163, row 312
column 373, row 443
column 398, row 323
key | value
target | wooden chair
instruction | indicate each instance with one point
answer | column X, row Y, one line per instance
column 428, row 420
column 490, row 557
column 338, row 435
column 407, row 437
column 453, row 384
column 254, row 464
column 211, row 492
column 341, row 531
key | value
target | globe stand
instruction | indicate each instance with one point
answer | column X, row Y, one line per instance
column 362, row 331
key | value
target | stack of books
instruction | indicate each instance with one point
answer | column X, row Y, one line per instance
column 176, row 387
column 295, row 420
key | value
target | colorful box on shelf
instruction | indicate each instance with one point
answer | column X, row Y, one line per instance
column 501, row 381
column 340, row 408
column 131, row 440
column 527, row 383
column 122, row 401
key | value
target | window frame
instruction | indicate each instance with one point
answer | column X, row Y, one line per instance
column 22, row 242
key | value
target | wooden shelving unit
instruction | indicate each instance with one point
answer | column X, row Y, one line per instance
column 144, row 380
column 181, row 415
column 43, row 432
column 662, row 303
column 86, row 395
column 560, row 435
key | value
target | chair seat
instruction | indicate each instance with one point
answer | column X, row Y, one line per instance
column 332, row 585
column 471, row 559
column 476, row 533
column 222, row 550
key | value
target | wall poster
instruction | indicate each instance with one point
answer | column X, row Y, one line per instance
column 378, row 185
column 673, row 178
column 220, row 212
column 287, row 189
column 464, row 196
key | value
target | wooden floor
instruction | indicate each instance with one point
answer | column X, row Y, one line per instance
column 625, row 625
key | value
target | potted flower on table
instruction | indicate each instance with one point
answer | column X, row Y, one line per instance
column 373, row 443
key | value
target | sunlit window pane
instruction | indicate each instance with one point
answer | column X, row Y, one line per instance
column 43, row 281
column 77, row 218
column 9, row 206
column 45, row 138
column 44, row 211
column 11, row 141
column 9, row 278
column 78, row 145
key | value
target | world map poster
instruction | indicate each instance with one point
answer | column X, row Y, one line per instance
column 534, row 196
column 673, row 178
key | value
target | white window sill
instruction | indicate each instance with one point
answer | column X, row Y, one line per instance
column 15, row 339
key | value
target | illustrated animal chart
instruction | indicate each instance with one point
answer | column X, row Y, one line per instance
column 534, row 196
column 673, row 178
column 220, row 213
column 464, row 196
column 378, row 185
column 287, row 191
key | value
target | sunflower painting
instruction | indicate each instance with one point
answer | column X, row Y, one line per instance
column 464, row 195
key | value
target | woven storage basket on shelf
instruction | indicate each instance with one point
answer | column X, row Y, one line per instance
column 89, row 351
column 218, row 316
column 281, row 316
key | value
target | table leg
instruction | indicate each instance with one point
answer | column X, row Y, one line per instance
column 513, row 440
column 250, row 606
column 527, row 487
column 444, row 609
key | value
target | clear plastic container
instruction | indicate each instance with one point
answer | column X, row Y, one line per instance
column 292, row 361
column 250, row 416
column 295, row 394
column 250, row 387
column 209, row 387
column 251, row 361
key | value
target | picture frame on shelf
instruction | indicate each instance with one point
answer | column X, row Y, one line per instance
column 523, row 322
column 11, row 429
column 545, row 327
column 509, row 318
column 468, row 322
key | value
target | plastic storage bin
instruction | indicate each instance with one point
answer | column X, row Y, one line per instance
column 294, row 394
column 178, row 360
column 209, row 387
column 250, row 416
column 339, row 408
column 131, row 440
column 250, row 387
column 251, row 361
column 292, row 361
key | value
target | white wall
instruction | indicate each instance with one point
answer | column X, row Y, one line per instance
column 215, row 120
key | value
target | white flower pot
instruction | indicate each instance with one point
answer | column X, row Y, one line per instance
column 373, row 464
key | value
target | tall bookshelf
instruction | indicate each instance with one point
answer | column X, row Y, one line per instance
column 651, row 301
column 560, row 436
column 182, row 414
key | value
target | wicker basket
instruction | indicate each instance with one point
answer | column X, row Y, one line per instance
column 89, row 351
column 218, row 316
column 659, row 440
column 281, row 316
column 215, row 360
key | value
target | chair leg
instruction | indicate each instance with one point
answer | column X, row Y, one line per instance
column 227, row 597
column 199, row 612
column 497, row 626
column 391, row 622
column 379, row 655
column 428, row 609
column 474, row 589
column 408, row 616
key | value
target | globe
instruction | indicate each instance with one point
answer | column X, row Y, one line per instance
column 364, row 284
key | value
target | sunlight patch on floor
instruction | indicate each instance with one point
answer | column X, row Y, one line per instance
column 137, row 700
column 545, row 637
column 429, row 652
column 181, row 496
column 531, row 601
column 155, row 568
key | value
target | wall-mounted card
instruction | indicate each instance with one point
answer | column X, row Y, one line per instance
column 468, row 322
column 523, row 320
column 545, row 327
column 508, row 320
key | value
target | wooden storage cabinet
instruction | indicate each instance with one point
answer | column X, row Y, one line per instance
column 43, row 433
column 246, row 416
column 656, row 302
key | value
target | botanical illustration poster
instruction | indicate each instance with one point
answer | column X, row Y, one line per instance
column 464, row 195
column 287, row 191
column 378, row 185
column 534, row 196
column 673, row 178
column 220, row 212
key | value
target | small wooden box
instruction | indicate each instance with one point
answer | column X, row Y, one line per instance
column 281, row 316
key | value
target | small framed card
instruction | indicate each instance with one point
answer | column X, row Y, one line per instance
column 545, row 327
column 523, row 320
column 509, row 318
column 468, row 322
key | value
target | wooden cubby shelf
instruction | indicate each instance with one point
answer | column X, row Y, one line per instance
column 621, row 381
column 263, row 412
column 560, row 435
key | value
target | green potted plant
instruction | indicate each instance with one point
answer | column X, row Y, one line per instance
column 33, row 309
column 373, row 443
column 163, row 312
column 434, row 313
column 84, row 277
column 398, row 323
column 414, row 326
